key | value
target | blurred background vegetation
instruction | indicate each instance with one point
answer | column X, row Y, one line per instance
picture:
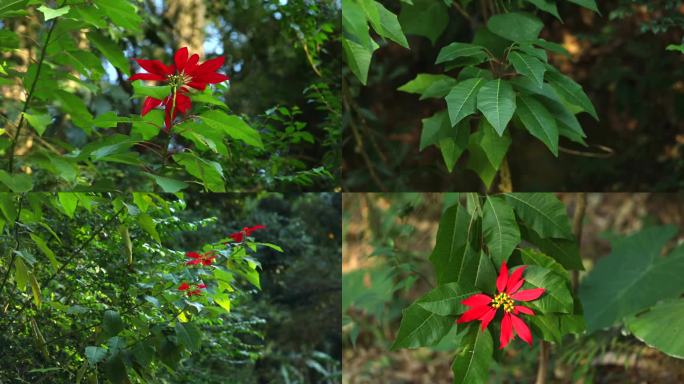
column 288, row 332
column 387, row 239
column 619, row 58
column 284, row 62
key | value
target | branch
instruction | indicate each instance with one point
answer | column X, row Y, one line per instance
column 29, row 96
column 75, row 253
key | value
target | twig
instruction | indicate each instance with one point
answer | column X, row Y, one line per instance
column 16, row 245
column 543, row 362
column 29, row 96
column 505, row 180
column 75, row 253
column 577, row 220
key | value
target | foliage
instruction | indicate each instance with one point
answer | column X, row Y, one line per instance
column 503, row 76
column 95, row 283
column 75, row 126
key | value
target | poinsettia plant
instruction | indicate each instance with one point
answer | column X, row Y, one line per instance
column 501, row 80
column 527, row 235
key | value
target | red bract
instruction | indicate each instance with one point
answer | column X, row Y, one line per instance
column 185, row 72
column 192, row 289
column 205, row 258
column 245, row 232
column 483, row 307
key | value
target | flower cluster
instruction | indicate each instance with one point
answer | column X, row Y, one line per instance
column 207, row 258
column 192, row 289
column 185, row 73
column 238, row 237
column 484, row 308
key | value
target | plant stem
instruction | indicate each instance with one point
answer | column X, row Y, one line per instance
column 29, row 96
column 505, row 180
column 16, row 245
column 577, row 221
column 75, row 253
column 543, row 362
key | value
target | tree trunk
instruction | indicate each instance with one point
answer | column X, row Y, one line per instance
column 188, row 19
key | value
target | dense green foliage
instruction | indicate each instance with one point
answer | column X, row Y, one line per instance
column 71, row 116
column 91, row 287
column 499, row 86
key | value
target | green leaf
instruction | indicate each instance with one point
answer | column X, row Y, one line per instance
column 546, row 6
column 454, row 257
column 421, row 328
column 168, row 185
column 188, row 335
column 148, row 225
column 529, row 66
column 150, row 125
column 210, row 172
column 548, row 325
column 112, row 323
column 427, row 18
column 95, row 355
column 110, row 50
column 487, row 151
column 21, row 274
column 158, row 92
column 457, row 50
column 122, row 13
column 676, row 48
column 590, row 4
column 453, row 146
column 50, row 13
column 515, row 26
column 565, row 252
column 445, row 300
column 534, row 257
column 35, row 288
column 234, row 126
column 223, row 300
column 425, row 81
column 39, row 122
column 115, row 370
column 633, row 277
column 661, row 327
column 42, row 245
column 207, row 99
column 19, row 182
column 557, row 296
column 435, row 128
column 553, row 47
column 543, row 213
column 538, row 121
column 461, row 101
column 77, row 110
column 108, row 120
column 391, row 28
column 499, row 228
column 571, row 91
column 496, row 101
column 471, row 363
column 10, row 8
column 68, row 201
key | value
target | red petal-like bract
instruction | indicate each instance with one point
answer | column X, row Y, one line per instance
column 515, row 281
column 528, row 294
column 487, row 317
column 521, row 329
column 503, row 277
column 183, row 286
column 477, row 300
column 506, row 331
column 474, row 313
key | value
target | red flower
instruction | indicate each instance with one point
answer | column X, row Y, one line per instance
column 206, row 258
column 196, row 291
column 483, row 307
column 184, row 73
column 245, row 232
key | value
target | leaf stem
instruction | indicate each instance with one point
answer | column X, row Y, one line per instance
column 29, row 96
column 543, row 362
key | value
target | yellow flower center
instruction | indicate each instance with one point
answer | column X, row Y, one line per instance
column 179, row 79
column 502, row 299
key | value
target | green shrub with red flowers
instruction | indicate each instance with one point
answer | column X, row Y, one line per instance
column 93, row 286
column 74, row 114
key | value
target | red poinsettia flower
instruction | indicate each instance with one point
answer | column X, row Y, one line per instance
column 192, row 289
column 185, row 72
column 484, row 308
column 205, row 258
column 245, row 232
